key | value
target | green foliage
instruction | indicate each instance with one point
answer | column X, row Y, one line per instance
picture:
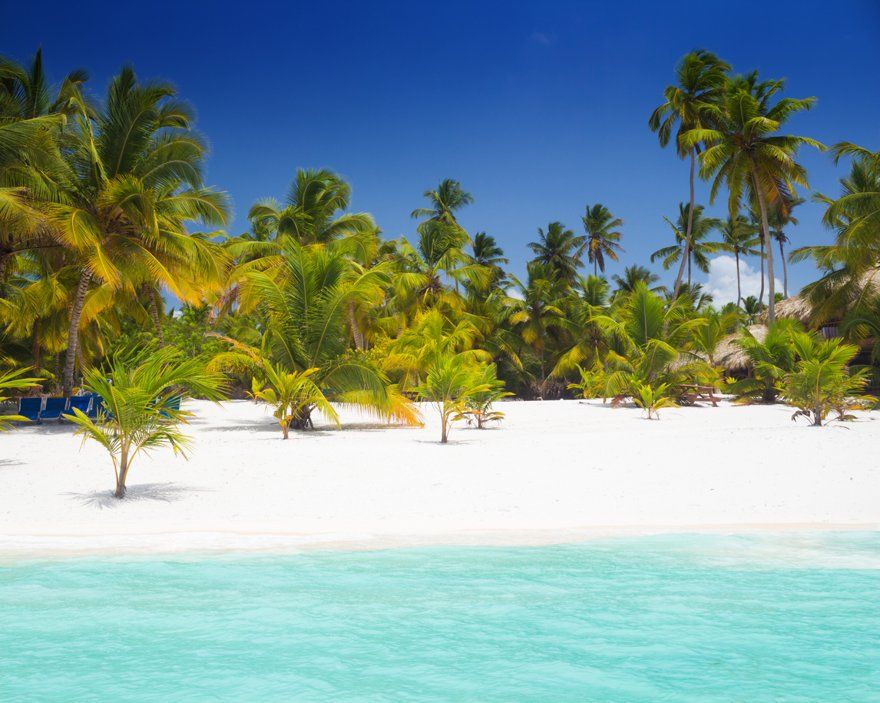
column 14, row 380
column 293, row 394
column 771, row 358
column 820, row 382
column 141, row 405
column 652, row 398
column 478, row 408
column 452, row 382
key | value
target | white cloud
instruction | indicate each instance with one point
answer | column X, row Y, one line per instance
column 721, row 284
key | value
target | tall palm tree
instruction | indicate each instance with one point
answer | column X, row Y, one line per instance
column 559, row 249
column 632, row 276
column 851, row 264
column 780, row 216
column 690, row 250
column 315, row 210
column 747, row 152
column 134, row 179
column 445, row 200
column 740, row 239
column 602, row 239
column 688, row 105
column 486, row 252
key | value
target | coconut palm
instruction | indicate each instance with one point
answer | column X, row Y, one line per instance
column 141, row 406
column 820, row 382
column 780, row 216
column 559, row 249
column 303, row 307
column 852, row 263
column 132, row 184
column 688, row 105
column 747, row 152
column 602, row 239
column 315, row 210
column 293, row 394
column 632, row 276
column 445, row 200
column 478, row 407
column 739, row 238
column 486, row 252
column 452, row 381
column 693, row 248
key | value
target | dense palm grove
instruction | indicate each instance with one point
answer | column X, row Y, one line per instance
column 104, row 218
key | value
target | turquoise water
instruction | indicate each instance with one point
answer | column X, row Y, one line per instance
column 672, row 618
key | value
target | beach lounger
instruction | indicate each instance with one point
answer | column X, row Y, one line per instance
column 97, row 407
column 79, row 402
column 53, row 408
column 173, row 403
column 30, row 408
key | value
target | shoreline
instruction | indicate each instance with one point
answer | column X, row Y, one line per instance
column 233, row 543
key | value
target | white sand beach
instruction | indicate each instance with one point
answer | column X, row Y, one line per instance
column 552, row 471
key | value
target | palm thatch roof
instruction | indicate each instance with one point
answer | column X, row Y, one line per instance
column 730, row 356
column 796, row 307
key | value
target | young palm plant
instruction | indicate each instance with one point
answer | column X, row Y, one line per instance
column 652, row 398
column 453, row 381
column 141, row 406
column 820, row 382
column 292, row 393
column 478, row 408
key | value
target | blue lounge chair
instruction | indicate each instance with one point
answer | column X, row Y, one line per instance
column 79, row 402
column 173, row 403
column 30, row 408
column 53, row 408
column 97, row 407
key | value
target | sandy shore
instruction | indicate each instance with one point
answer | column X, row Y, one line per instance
column 553, row 471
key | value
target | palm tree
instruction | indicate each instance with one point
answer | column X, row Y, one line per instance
column 303, row 306
column 486, row 252
column 747, row 153
column 780, row 217
column 740, row 239
column 451, row 382
column 133, row 182
column 632, row 276
column 559, row 249
column 752, row 307
column 444, row 201
column 602, row 240
column 688, row 105
column 691, row 248
column 315, row 210
column 14, row 380
column 293, row 393
column 852, row 263
column 141, row 403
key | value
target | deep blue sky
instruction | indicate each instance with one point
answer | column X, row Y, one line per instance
column 537, row 108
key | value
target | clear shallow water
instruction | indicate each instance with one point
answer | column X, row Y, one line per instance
column 672, row 618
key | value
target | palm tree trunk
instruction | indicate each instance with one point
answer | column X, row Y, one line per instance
column 690, row 224
column 771, row 288
column 36, row 348
column 784, row 269
column 738, row 286
column 356, row 333
column 79, row 300
column 122, row 475
column 690, row 257
column 761, row 296
column 154, row 314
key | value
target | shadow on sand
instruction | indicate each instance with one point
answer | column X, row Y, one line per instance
column 164, row 492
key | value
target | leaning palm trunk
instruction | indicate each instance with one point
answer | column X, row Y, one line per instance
column 121, row 474
column 765, row 239
column 685, row 256
column 356, row 333
column 79, row 299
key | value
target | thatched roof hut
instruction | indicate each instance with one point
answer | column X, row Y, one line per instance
column 796, row 307
column 730, row 356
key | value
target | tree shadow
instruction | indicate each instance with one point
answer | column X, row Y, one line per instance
column 163, row 492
